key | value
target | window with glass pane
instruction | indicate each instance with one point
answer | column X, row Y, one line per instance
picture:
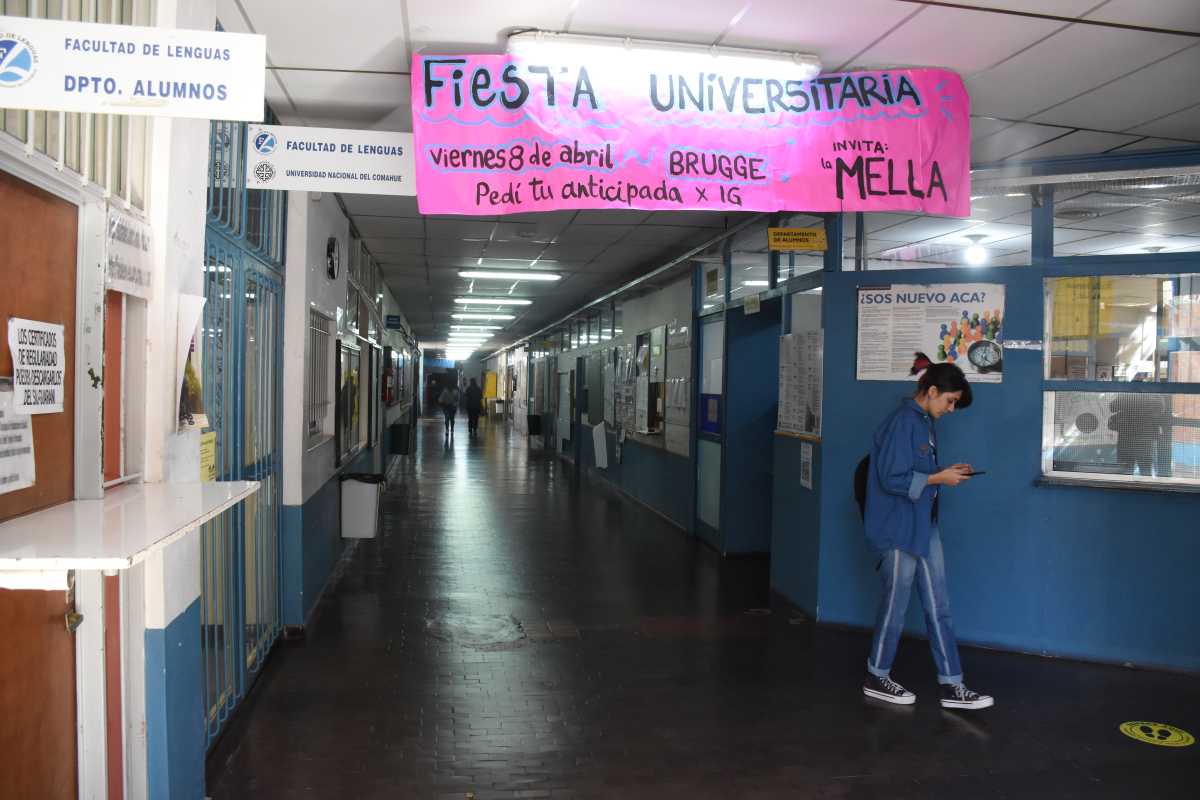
column 1124, row 328
column 750, row 258
column 1130, row 436
column 605, row 322
column 617, row 317
column 1133, row 216
column 998, row 234
column 349, row 413
column 800, row 262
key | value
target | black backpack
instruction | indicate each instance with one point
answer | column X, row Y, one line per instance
column 860, row 485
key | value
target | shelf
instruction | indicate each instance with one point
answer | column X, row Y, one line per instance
column 120, row 530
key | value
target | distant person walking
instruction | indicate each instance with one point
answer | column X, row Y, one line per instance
column 901, row 519
column 448, row 400
column 474, row 407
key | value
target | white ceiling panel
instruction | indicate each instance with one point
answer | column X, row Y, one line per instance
column 573, row 253
column 982, row 127
column 611, row 217
column 967, row 41
column 701, row 22
column 471, row 26
column 1012, row 140
column 370, row 38
column 998, row 206
column 593, row 234
column 381, row 205
column 1178, row 15
column 387, row 249
column 387, row 227
column 918, row 229
column 1168, row 85
column 453, row 248
column 1074, row 61
column 1181, row 125
column 1058, row 8
column 354, row 99
column 463, row 228
column 844, row 29
column 525, row 232
column 694, row 219
column 1151, row 143
column 1077, row 143
column 517, row 250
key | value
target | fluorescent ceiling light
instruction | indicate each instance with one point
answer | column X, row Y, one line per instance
column 976, row 255
column 756, row 283
column 476, row 327
column 486, row 317
column 511, row 276
column 493, row 301
column 651, row 53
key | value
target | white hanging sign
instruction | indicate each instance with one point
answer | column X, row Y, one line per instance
column 57, row 65
column 17, row 468
column 128, row 262
column 329, row 160
column 39, row 366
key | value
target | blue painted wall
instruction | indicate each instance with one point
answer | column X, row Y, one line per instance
column 661, row 480
column 312, row 543
column 1071, row 571
column 175, row 738
column 795, row 525
column 751, row 398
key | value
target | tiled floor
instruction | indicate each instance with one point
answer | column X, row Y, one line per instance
column 514, row 634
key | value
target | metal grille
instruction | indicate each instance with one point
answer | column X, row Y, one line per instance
column 316, row 373
column 104, row 149
column 1144, row 436
column 254, row 217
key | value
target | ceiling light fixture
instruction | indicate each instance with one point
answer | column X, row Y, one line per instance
column 655, row 53
column 756, row 283
column 522, row 275
column 493, row 301
column 975, row 255
column 484, row 317
column 476, row 327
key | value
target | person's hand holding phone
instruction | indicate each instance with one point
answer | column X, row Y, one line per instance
column 952, row 476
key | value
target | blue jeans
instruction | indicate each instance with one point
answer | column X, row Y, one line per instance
column 897, row 571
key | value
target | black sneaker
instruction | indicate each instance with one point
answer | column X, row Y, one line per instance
column 887, row 690
column 957, row 695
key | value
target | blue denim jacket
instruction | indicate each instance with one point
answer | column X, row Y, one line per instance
column 899, row 509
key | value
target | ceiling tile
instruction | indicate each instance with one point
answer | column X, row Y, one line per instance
column 516, row 250
column 1012, row 140
column 378, row 205
column 1077, row 143
column 844, row 29
column 1152, row 143
column 1058, row 8
column 982, row 127
column 1168, row 85
column 387, row 227
column 387, row 249
column 1181, row 125
column 576, row 252
column 1074, row 61
column 370, row 38
column 465, row 228
column 1179, row 15
column 354, row 98
column 593, row 234
column 954, row 38
column 702, row 23
column 454, row 248
column 470, row 26
column 522, row 232
column 610, row 217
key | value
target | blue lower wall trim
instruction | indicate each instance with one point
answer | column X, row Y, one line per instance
column 660, row 480
column 175, row 741
column 312, row 544
column 796, row 526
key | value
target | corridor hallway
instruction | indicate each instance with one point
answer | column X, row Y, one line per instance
column 518, row 633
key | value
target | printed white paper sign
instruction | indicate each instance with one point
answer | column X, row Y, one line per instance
column 17, row 469
column 39, row 366
column 128, row 261
column 59, row 65
column 329, row 160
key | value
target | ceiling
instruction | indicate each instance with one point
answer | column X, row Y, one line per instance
column 1046, row 77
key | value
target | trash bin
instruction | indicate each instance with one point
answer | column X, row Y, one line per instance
column 534, row 422
column 401, row 434
column 360, row 504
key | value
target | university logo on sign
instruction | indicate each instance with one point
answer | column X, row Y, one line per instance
column 264, row 171
column 18, row 60
column 265, row 143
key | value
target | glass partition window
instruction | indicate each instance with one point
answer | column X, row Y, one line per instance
column 1135, row 216
column 617, row 319
column 997, row 234
column 750, row 259
column 1134, row 329
column 606, row 323
column 799, row 262
column 1124, row 328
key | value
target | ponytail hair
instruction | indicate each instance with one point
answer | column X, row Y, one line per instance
column 943, row 377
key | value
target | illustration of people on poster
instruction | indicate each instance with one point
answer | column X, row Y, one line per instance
column 956, row 323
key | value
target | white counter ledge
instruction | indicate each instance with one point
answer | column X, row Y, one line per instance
column 114, row 533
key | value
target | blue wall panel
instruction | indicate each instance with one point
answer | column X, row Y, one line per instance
column 312, row 544
column 1070, row 571
column 175, row 729
column 652, row 476
column 795, row 526
column 751, row 397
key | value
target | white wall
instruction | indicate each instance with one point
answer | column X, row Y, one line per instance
column 310, row 223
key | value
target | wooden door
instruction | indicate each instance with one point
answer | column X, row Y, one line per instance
column 38, row 235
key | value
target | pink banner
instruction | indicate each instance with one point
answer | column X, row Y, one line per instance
column 495, row 135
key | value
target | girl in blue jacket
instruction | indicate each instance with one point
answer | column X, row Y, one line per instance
column 901, row 526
